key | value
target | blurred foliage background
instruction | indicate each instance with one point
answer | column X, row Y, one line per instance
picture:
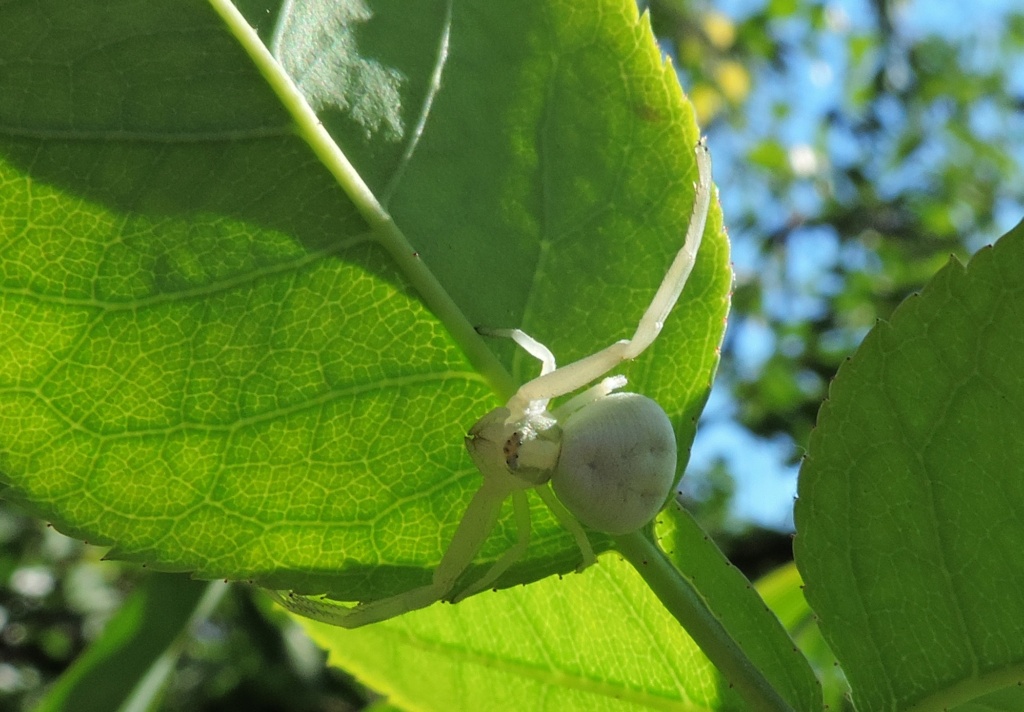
column 857, row 145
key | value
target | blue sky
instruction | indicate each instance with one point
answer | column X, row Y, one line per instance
column 815, row 82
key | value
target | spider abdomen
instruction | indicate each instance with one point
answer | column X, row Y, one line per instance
column 617, row 463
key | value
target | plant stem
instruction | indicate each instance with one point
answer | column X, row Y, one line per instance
column 309, row 127
column 688, row 606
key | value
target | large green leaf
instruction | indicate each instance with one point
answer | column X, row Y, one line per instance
column 218, row 352
column 909, row 521
column 596, row 641
column 599, row 640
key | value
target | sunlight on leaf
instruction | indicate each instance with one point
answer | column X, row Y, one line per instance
column 599, row 640
column 317, row 46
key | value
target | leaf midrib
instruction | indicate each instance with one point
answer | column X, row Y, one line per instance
column 383, row 228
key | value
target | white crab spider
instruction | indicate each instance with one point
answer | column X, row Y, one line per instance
column 609, row 457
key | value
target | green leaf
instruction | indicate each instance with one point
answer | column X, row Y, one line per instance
column 726, row 595
column 909, row 519
column 127, row 666
column 599, row 640
column 782, row 591
column 219, row 352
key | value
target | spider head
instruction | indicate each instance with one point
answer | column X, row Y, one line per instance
column 526, row 450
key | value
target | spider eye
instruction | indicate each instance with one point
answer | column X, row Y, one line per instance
column 511, row 450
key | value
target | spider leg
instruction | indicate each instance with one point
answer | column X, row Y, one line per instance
column 529, row 344
column 606, row 386
column 536, row 349
column 675, row 279
column 570, row 522
column 477, row 523
column 521, row 506
column 579, row 373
